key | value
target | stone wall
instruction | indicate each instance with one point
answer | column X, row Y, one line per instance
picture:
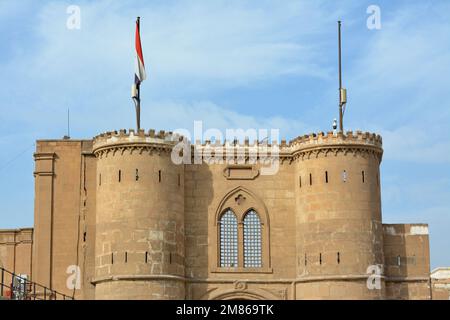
column 407, row 261
column 440, row 282
column 139, row 226
column 15, row 253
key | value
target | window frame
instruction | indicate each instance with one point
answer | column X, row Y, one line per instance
column 220, row 230
column 251, row 202
column 253, row 248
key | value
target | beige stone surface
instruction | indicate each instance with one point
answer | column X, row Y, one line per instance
column 141, row 227
column 440, row 283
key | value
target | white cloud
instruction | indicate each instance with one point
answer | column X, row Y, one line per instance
column 179, row 115
column 413, row 144
column 187, row 45
column 399, row 84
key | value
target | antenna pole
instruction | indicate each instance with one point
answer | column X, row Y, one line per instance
column 68, row 122
column 341, row 102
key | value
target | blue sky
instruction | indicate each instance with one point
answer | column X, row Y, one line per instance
column 234, row 64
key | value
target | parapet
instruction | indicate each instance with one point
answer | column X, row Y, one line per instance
column 336, row 142
column 408, row 229
column 361, row 138
column 15, row 236
column 307, row 144
column 122, row 138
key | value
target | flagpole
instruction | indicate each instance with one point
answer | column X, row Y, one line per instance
column 341, row 116
column 138, row 110
column 138, row 98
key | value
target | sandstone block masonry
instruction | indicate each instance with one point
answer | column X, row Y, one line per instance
column 139, row 226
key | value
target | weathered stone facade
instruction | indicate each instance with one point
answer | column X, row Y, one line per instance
column 142, row 227
column 440, row 281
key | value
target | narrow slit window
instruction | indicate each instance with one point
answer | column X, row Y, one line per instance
column 137, row 174
column 100, row 179
column 170, row 257
column 320, row 258
column 326, row 176
column 306, row 260
column 300, row 181
column 112, row 257
column 146, row 257
column 126, row 257
column 363, row 176
column 159, row 175
column 344, row 176
column 338, row 257
column 84, row 236
column 399, row 261
column 179, row 180
column 310, row 179
column 120, row 175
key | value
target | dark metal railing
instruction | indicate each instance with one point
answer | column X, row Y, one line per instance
column 16, row 287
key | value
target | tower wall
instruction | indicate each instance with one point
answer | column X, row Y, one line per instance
column 339, row 228
column 140, row 219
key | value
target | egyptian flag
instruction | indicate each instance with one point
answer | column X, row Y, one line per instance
column 139, row 74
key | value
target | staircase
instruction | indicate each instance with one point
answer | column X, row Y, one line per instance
column 18, row 287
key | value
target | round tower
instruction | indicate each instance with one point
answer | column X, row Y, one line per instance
column 339, row 227
column 139, row 251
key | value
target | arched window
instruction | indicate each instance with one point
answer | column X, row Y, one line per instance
column 252, row 240
column 228, row 240
column 242, row 241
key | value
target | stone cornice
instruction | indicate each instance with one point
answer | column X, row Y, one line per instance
column 44, row 156
column 302, row 279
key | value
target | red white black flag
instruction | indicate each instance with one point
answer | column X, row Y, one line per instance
column 139, row 74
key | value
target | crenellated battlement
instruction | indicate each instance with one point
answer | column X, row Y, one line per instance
column 330, row 138
column 132, row 138
column 298, row 147
column 334, row 143
column 132, row 134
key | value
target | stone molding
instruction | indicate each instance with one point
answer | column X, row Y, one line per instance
column 254, row 281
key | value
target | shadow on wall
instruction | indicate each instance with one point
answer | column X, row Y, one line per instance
column 199, row 192
column 396, row 261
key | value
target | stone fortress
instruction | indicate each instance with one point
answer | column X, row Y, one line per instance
column 118, row 212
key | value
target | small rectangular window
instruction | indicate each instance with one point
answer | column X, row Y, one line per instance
column 344, row 176
column 338, row 257
column 159, row 175
column 310, row 179
column 362, row 174
column 126, row 257
column 120, row 175
column 320, row 258
column 300, row 181
column 146, row 256
column 100, row 179
column 326, row 176
column 84, row 236
column 112, row 257
column 137, row 174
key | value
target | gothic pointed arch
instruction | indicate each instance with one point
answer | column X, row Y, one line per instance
column 242, row 201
